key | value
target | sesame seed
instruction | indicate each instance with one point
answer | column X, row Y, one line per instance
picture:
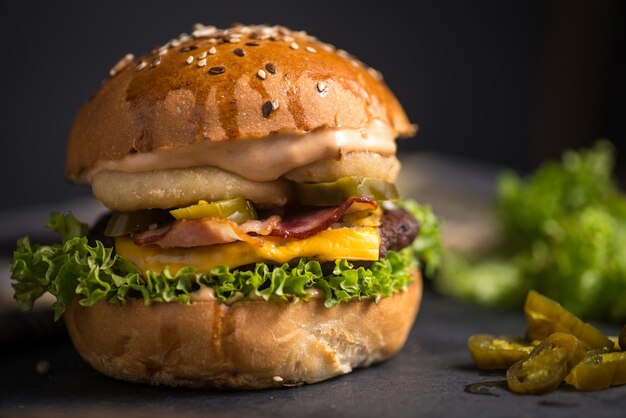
column 175, row 43
column 267, row 109
column 216, row 70
column 374, row 73
column 202, row 55
column 234, row 40
column 141, row 65
column 277, row 379
column 321, row 86
column 202, row 62
column 271, row 68
column 188, row 48
column 121, row 64
column 262, row 75
column 155, row 62
column 252, row 44
column 189, row 59
column 162, row 51
column 239, row 52
column 201, row 31
column 275, row 104
column 212, row 51
column 311, row 49
column 294, row 45
column 288, row 39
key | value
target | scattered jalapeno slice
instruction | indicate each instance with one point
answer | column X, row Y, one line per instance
column 547, row 365
column 124, row 223
column 622, row 339
column 336, row 192
column 546, row 316
column 599, row 370
column 493, row 353
column 238, row 209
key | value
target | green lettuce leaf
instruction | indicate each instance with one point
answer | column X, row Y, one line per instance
column 564, row 234
column 428, row 247
column 95, row 274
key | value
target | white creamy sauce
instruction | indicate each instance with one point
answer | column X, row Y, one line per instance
column 203, row 294
column 261, row 159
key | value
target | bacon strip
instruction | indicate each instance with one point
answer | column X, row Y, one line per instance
column 150, row 236
column 208, row 231
column 309, row 224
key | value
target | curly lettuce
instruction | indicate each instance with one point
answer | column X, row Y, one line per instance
column 564, row 234
column 94, row 273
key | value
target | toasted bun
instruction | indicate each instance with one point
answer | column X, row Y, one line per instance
column 160, row 101
column 249, row 344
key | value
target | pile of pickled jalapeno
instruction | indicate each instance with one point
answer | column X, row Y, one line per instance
column 558, row 347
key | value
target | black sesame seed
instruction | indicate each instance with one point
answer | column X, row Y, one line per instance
column 239, row 52
column 271, row 68
column 267, row 109
column 252, row 44
column 216, row 70
column 188, row 48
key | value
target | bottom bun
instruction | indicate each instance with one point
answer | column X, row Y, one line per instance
column 250, row 344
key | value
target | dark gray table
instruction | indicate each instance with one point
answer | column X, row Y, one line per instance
column 429, row 377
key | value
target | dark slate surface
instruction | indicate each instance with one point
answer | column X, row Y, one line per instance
column 429, row 378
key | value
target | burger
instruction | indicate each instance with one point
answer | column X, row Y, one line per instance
column 255, row 237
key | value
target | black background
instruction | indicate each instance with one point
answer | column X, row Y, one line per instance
column 505, row 82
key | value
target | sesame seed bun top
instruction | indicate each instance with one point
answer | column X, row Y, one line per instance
column 217, row 85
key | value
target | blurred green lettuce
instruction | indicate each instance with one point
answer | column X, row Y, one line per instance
column 564, row 234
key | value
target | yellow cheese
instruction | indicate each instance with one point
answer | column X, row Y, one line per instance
column 357, row 243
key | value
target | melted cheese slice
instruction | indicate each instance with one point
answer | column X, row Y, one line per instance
column 356, row 243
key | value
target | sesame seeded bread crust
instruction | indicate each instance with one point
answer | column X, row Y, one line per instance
column 223, row 85
column 246, row 345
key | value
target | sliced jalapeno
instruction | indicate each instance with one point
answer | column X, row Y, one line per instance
column 124, row 223
column 492, row 353
column 336, row 192
column 615, row 340
column 599, row 370
column 547, row 365
column 239, row 210
column 546, row 316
